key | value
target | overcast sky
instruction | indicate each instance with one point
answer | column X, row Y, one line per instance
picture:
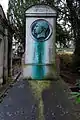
column 4, row 4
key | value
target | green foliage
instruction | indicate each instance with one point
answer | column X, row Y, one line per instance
column 16, row 16
column 76, row 96
column 76, row 62
column 78, row 83
column 74, row 19
column 62, row 36
column 68, row 22
column 78, row 100
column 66, row 60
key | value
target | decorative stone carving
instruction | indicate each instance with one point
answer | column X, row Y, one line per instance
column 41, row 30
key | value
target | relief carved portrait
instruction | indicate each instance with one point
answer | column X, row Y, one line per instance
column 40, row 30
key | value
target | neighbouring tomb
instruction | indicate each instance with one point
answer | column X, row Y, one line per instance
column 5, row 48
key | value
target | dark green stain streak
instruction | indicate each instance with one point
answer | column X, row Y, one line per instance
column 38, row 71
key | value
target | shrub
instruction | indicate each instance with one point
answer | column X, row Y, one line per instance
column 65, row 61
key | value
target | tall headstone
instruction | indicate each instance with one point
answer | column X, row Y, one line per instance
column 39, row 58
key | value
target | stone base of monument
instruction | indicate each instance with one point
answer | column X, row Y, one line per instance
column 38, row 72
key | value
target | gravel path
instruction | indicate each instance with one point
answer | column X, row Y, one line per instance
column 20, row 104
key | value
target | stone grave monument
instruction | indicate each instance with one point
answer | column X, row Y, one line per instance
column 39, row 57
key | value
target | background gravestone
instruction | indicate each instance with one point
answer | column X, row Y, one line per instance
column 39, row 57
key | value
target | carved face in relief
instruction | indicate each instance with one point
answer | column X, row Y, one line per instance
column 40, row 30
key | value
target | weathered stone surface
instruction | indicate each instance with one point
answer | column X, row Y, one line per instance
column 40, row 42
column 3, row 47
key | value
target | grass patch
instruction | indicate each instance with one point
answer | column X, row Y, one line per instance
column 37, row 88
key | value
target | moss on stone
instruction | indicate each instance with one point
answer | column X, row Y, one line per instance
column 37, row 89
